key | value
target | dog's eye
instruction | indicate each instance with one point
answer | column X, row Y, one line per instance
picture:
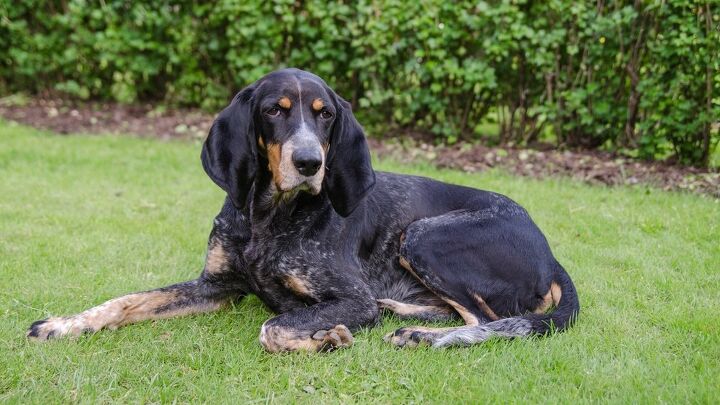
column 326, row 114
column 273, row 111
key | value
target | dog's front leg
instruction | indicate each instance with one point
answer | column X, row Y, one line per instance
column 186, row 298
column 220, row 282
column 321, row 327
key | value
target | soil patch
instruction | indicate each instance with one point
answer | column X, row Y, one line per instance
column 589, row 166
column 68, row 117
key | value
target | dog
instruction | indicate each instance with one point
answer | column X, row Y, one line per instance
column 328, row 243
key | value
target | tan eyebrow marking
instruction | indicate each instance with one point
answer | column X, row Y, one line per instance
column 318, row 104
column 285, row 103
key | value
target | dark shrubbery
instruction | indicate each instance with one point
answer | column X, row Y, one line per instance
column 641, row 77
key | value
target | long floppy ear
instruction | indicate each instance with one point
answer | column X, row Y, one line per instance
column 229, row 154
column 349, row 176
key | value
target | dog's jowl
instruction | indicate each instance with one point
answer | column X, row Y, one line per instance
column 327, row 243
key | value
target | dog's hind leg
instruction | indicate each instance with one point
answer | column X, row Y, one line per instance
column 412, row 336
column 493, row 266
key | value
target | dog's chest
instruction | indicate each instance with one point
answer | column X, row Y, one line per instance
column 286, row 271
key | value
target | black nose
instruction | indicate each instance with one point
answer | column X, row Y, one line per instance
column 307, row 161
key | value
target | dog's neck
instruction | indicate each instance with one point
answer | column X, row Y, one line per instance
column 270, row 207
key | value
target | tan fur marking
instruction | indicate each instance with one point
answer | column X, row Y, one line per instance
column 277, row 339
column 318, row 104
column 556, row 293
column 485, row 308
column 546, row 303
column 298, row 285
column 261, row 143
column 274, row 156
column 285, row 103
column 411, row 329
column 402, row 308
column 406, row 265
column 466, row 315
column 142, row 306
column 217, row 259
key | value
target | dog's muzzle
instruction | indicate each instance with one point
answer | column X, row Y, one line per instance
column 302, row 165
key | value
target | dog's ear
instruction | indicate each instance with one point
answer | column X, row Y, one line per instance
column 229, row 154
column 349, row 175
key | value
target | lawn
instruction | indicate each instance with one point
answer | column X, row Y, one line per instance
column 87, row 218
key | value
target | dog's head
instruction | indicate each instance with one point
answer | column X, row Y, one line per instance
column 293, row 125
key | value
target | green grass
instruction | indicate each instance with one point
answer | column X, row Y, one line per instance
column 87, row 218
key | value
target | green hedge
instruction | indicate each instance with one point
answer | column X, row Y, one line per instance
column 642, row 78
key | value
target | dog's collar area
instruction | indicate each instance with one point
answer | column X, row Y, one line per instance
column 280, row 196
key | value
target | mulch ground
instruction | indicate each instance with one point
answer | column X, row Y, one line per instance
column 595, row 167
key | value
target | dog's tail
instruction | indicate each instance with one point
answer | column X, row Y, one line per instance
column 561, row 318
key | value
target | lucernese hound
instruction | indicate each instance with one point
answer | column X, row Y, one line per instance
column 326, row 242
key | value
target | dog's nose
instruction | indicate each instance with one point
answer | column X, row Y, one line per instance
column 307, row 161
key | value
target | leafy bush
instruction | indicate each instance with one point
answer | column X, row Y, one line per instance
column 641, row 77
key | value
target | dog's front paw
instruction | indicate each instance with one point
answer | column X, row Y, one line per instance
column 335, row 338
column 52, row 328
